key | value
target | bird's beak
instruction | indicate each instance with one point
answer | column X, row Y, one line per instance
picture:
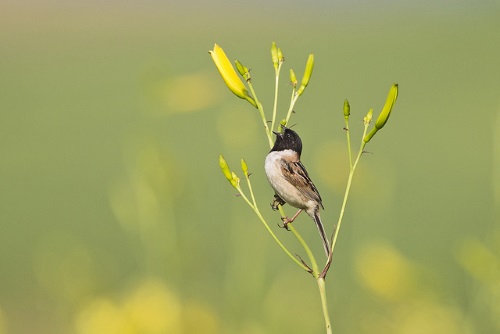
column 277, row 133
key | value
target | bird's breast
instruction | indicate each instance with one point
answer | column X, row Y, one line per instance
column 287, row 191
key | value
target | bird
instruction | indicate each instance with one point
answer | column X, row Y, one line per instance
column 291, row 182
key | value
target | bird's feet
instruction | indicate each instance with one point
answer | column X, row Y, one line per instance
column 278, row 201
column 285, row 221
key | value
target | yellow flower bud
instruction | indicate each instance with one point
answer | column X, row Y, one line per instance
column 274, row 55
column 236, row 180
column 368, row 118
column 244, row 167
column 280, row 56
column 293, row 78
column 229, row 75
column 386, row 111
column 227, row 173
column 347, row 109
column 241, row 69
column 307, row 74
column 225, row 167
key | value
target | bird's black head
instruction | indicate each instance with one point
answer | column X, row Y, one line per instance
column 288, row 140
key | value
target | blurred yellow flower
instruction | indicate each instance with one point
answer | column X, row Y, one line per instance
column 199, row 318
column 102, row 316
column 149, row 308
column 428, row 317
column 187, row 93
column 479, row 261
column 385, row 272
column 152, row 308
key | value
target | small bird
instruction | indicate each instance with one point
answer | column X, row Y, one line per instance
column 291, row 182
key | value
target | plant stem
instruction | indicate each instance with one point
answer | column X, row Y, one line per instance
column 324, row 305
column 348, row 188
column 310, row 255
column 262, row 114
column 348, row 142
column 303, row 266
column 257, row 212
column 275, row 107
column 321, row 278
column 304, row 245
column 293, row 99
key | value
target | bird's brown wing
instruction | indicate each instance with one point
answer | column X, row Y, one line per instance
column 296, row 174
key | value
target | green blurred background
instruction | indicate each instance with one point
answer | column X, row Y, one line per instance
column 115, row 217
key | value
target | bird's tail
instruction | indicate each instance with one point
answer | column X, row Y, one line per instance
column 322, row 233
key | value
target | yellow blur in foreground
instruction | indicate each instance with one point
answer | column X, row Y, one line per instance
column 410, row 305
column 150, row 308
column 385, row 272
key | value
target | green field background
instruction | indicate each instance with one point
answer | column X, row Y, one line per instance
column 115, row 217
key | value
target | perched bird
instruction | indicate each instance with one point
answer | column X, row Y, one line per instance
column 291, row 182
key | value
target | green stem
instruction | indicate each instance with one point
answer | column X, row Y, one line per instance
column 262, row 114
column 310, row 255
column 348, row 188
column 247, row 176
column 348, row 141
column 275, row 107
column 257, row 212
column 303, row 266
column 324, row 304
column 293, row 99
column 321, row 278
column 301, row 240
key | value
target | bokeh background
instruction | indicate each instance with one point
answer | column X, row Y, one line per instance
column 115, row 217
